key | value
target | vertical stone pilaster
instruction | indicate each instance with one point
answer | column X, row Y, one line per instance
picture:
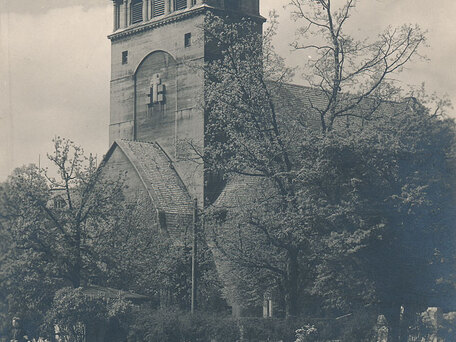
column 145, row 10
column 149, row 9
column 189, row 3
column 127, row 12
column 122, row 23
column 114, row 19
column 168, row 6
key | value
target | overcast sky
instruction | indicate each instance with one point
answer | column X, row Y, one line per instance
column 55, row 64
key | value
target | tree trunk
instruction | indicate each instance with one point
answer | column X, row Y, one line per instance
column 78, row 263
column 291, row 288
column 76, row 277
column 393, row 317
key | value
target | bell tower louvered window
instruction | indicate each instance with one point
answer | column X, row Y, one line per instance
column 180, row 5
column 136, row 11
column 158, row 8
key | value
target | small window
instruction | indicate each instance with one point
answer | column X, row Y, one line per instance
column 125, row 57
column 59, row 203
column 188, row 40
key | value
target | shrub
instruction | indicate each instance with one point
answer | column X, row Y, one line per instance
column 75, row 313
column 260, row 329
column 306, row 334
column 172, row 324
column 72, row 310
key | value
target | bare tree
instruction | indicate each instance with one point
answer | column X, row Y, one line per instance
column 349, row 71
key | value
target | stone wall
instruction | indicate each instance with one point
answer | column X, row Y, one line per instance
column 178, row 120
column 171, row 48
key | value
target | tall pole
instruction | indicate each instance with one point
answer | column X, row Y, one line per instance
column 194, row 255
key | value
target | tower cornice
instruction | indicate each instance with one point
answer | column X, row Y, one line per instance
column 168, row 19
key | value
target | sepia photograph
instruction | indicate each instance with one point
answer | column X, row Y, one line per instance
column 227, row 171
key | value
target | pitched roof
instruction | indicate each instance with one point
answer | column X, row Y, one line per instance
column 238, row 190
column 304, row 100
column 292, row 100
column 297, row 96
column 160, row 179
column 95, row 291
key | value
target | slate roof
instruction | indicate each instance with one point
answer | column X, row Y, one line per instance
column 238, row 190
column 303, row 100
column 287, row 95
column 158, row 175
column 291, row 99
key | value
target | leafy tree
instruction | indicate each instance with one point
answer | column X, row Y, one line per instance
column 4, row 243
column 336, row 198
column 53, row 225
column 58, row 219
column 79, row 315
column 356, row 79
column 82, row 227
column 383, row 198
column 75, row 312
column 244, row 135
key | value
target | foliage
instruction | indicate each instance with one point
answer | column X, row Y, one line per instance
column 80, row 228
column 172, row 324
column 305, row 334
column 75, row 312
column 356, row 210
column 260, row 329
column 54, row 227
column 58, row 220
column 244, row 136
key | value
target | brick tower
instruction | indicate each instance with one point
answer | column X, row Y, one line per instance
column 156, row 91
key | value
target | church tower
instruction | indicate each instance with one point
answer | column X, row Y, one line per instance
column 156, row 88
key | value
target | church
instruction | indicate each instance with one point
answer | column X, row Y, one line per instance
column 157, row 86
